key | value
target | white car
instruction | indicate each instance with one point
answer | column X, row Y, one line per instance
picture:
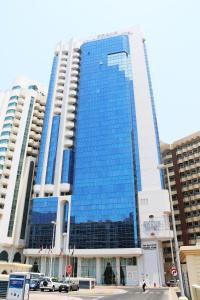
column 50, row 284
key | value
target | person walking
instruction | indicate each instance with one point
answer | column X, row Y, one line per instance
column 144, row 286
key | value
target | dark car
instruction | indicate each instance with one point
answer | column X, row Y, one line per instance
column 35, row 284
column 172, row 283
column 68, row 286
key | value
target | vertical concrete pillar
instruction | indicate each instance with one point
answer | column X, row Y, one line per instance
column 118, row 270
column 98, row 270
column 79, row 267
column 43, row 264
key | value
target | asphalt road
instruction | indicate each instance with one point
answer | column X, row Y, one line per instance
column 138, row 294
column 131, row 294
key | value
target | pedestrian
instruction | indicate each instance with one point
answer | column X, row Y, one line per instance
column 144, row 285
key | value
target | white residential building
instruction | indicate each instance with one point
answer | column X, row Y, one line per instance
column 21, row 118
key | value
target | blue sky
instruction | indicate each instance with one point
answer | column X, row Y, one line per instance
column 31, row 28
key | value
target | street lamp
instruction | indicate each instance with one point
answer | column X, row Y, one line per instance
column 183, row 297
column 52, row 246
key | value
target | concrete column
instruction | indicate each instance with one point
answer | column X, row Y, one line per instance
column 118, row 270
column 61, row 271
column 43, row 265
column 79, row 267
column 98, row 270
column 140, row 265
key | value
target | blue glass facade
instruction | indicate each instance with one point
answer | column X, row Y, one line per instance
column 43, row 212
column 52, row 150
column 104, row 211
column 38, row 177
column 67, row 166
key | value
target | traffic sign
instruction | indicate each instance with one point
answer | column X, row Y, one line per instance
column 69, row 270
column 174, row 271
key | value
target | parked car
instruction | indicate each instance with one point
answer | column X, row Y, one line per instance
column 171, row 283
column 49, row 283
column 35, row 284
column 68, row 285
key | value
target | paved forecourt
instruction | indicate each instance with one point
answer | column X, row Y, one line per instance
column 106, row 293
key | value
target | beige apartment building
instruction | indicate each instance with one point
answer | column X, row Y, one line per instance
column 21, row 119
column 183, row 161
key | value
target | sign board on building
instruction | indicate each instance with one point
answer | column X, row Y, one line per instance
column 149, row 246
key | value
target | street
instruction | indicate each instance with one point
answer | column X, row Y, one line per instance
column 109, row 294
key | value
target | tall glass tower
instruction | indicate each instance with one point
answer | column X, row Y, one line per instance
column 98, row 197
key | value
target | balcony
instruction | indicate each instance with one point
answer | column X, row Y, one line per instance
column 13, row 137
column 9, row 154
column 72, row 100
column 75, row 67
column 8, row 163
column 71, row 108
column 58, row 103
column 19, row 108
column 18, row 115
column 72, row 93
column 61, row 82
column 31, row 134
column 69, row 133
column 70, row 116
column 59, row 96
column 60, row 90
column 11, row 146
column 64, row 187
column 76, row 55
column 4, row 180
column 62, row 70
column 69, row 124
column 75, row 60
column 62, row 77
column 57, row 110
column 74, row 72
column 74, row 79
column 68, row 143
column 73, row 86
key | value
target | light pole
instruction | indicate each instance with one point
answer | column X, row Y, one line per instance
column 52, row 246
column 183, row 297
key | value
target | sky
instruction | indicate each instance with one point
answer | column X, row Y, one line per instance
column 30, row 29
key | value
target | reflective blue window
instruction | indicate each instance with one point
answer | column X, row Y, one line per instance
column 52, row 150
column 5, row 133
column 8, row 118
column 106, row 180
column 67, row 166
column 46, row 121
column 16, row 87
column 4, row 141
column 33, row 87
column 13, row 98
column 43, row 212
column 12, row 104
column 3, row 149
column 2, row 157
column 66, row 211
column 9, row 111
column 7, row 125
